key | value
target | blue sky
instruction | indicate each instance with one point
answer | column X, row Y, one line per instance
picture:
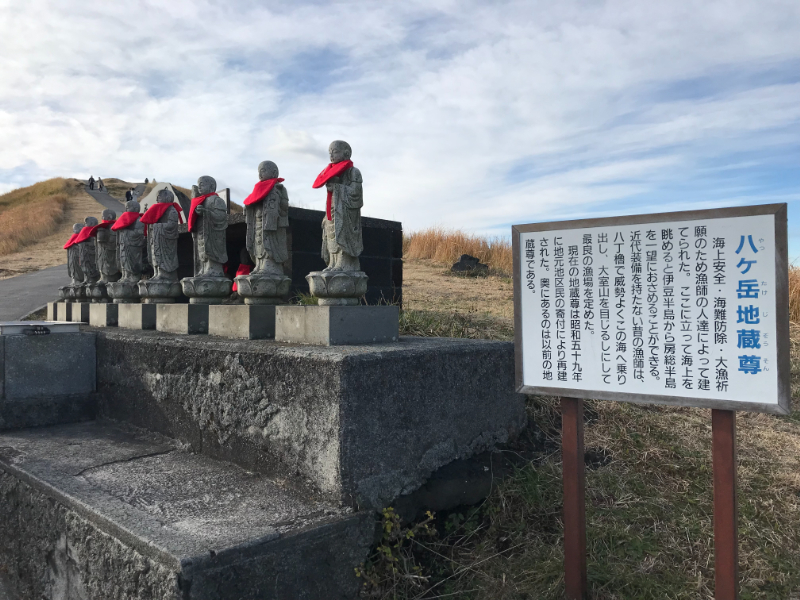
column 465, row 114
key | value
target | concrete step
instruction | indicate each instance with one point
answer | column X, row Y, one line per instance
column 100, row 511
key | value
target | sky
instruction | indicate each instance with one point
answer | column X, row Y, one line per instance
column 471, row 115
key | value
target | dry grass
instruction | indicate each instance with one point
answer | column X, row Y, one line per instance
column 794, row 294
column 445, row 246
column 31, row 213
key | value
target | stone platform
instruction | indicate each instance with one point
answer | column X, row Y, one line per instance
column 182, row 318
column 360, row 424
column 97, row 511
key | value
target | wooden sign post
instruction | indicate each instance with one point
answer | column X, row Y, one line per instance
column 684, row 309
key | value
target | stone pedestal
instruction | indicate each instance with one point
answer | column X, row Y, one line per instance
column 96, row 292
column 72, row 293
column 123, row 292
column 338, row 288
column 182, row 318
column 103, row 314
column 136, row 316
column 335, row 325
column 206, row 290
column 79, row 312
column 263, row 288
column 52, row 311
column 159, row 292
column 253, row 322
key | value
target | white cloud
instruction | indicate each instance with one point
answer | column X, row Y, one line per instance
column 462, row 113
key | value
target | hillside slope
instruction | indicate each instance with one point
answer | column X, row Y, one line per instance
column 39, row 218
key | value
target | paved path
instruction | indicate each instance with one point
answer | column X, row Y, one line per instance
column 23, row 294
column 106, row 200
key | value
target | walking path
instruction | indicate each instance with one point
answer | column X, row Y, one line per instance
column 23, row 294
column 109, row 201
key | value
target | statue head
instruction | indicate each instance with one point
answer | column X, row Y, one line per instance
column 339, row 151
column 109, row 215
column 267, row 170
column 206, row 185
column 165, row 196
column 132, row 206
column 90, row 221
column 77, row 227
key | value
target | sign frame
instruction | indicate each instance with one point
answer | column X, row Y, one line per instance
column 779, row 211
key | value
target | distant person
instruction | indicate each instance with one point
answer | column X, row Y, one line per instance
column 99, row 184
column 128, row 195
column 91, row 182
column 145, row 181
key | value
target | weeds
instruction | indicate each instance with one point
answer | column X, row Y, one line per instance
column 446, row 246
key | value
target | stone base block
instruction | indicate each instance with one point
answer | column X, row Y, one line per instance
column 103, row 315
column 96, row 511
column 182, row 318
column 136, row 316
column 80, row 312
column 63, row 311
column 361, row 424
column 253, row 322
column 52, row 311
column 335, row 325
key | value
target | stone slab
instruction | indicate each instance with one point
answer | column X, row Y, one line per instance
column 103, row 315
column 52, row 311
column 182, row 318
column 103, row 511
column 246, row 321
column 335, row 325
column 136, row 316
column 38, row 327
column 361, row 424
column 79, row 312
column 49, row 365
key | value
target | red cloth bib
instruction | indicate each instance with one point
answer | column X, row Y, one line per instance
column 155, row 212
column 126, row 219
column 332, row 170
column 261, row 190
column 242, row 270
column 195, row 203
column 71, row 240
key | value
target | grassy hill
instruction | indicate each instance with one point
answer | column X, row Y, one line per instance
column 35, row 221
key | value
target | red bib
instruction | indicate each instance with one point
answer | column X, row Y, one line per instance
column 332, row 170
column 261, row 190
column 242, row 270
column 126, row 219
column 155, row 212
column 195, row 203
column 71, row 240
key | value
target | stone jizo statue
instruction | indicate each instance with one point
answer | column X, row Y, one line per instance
column 88, row 251
column 107, row 248
column 73, row 257
column 129, row 232
column 162, row 222
column 342, row 281
column 266, row 212
column 208, row 222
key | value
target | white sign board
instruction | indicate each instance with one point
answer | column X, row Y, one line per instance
column 683, row 308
